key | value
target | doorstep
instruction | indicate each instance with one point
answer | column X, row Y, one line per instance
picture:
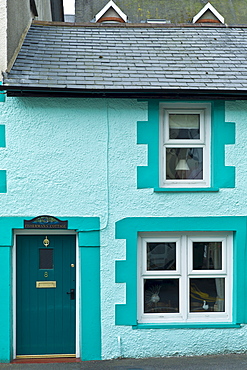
column 45, row 360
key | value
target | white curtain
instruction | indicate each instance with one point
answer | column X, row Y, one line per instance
column 220, row 299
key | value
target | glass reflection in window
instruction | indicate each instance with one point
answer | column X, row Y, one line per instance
column 207, row 294
column 184, row 126
column 161, row 295
column 184, row 163
column 161, row 256
column 207, row 255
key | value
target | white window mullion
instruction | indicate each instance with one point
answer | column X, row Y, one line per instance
column 183, row 279
column 141, row 271
column 229, row 269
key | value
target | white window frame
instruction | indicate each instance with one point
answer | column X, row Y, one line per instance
column 183, row 272
column 204, row 110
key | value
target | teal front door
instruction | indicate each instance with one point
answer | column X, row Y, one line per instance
column 45, row 289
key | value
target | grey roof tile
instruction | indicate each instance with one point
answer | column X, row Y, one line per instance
column 140, row 57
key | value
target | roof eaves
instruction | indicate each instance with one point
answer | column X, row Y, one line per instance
column 170, row 94
column 133, row 25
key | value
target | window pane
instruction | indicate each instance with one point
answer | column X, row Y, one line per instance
column 46, row 259
column 161, row 256
column 207, row 294
column 161, row 295
column 184, row 163
column 184, row 126
column 207, row 256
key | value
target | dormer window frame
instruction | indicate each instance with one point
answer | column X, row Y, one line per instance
column 109, row 5
column 209, row 7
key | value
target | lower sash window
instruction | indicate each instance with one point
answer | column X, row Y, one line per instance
column 185, row 277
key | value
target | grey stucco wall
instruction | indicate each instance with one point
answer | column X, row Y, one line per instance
column 19, row 17
column 44, row 10
column 3, row 36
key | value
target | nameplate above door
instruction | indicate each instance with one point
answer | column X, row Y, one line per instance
column 45, row 222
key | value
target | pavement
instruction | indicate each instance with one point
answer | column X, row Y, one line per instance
column 224, row 362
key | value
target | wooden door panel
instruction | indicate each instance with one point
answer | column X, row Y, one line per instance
column 45, row 316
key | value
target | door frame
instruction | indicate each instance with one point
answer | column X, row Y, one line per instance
column 47, row 232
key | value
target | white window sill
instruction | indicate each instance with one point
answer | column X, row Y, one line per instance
column 185, row 189
column 199, row 325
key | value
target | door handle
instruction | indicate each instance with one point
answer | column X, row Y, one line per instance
column 72, row 293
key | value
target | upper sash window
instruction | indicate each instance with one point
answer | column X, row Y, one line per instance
column 185, row 145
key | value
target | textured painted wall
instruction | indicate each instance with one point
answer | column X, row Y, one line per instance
column 128, row 201
column 56, row 160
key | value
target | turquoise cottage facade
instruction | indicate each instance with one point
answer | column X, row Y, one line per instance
column 112, row 250
column 156, row 263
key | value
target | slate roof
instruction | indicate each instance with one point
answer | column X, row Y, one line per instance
column 130, row 58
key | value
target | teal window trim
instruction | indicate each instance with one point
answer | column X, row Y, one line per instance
column 3, row 181
column 148, row 133
column 126, row 270
column 5, row 305
column 88, row 229
column 2, row 136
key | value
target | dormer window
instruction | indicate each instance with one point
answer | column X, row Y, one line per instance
column 208, row 14
column 111, row 13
